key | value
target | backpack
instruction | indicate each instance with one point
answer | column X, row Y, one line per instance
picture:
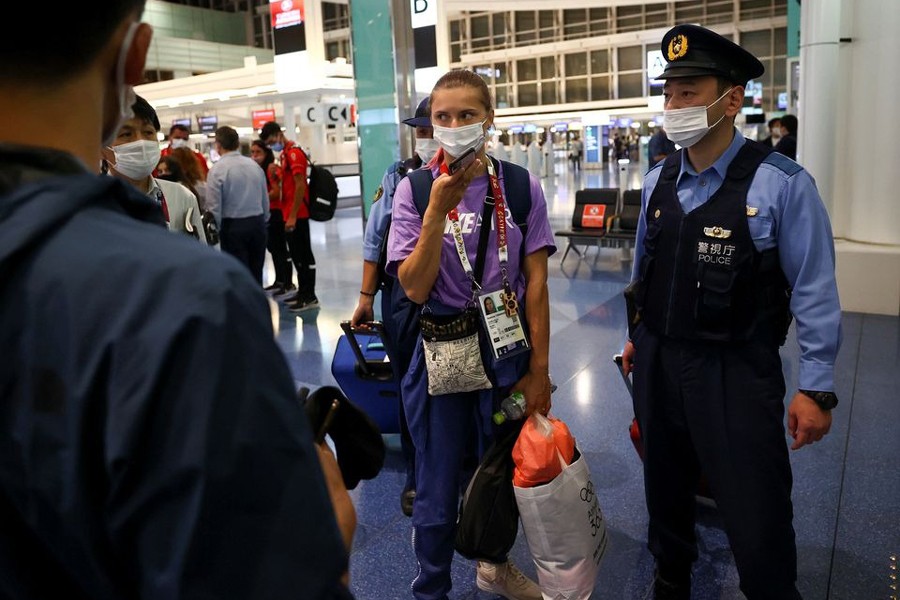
column 516, row 190
column 323, row 192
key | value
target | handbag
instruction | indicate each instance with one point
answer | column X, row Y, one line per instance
column 209, row 227
column 452, row 353
column 565, row 530
column 489, row 517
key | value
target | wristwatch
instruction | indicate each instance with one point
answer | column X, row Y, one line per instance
column 825, row 400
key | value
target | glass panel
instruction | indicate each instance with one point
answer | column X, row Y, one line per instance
column 599, row 18
column 526, row 70
column 499, row 23
column 628, row 18
column 548, row 92
column 526, row 26
column 780, row 39
column 631, row 58
column 502, row 73
column 600, row 88
column 501, row 96
column 547, row 18
column 757, row 43
column 631, row 85
column 454, row 31
column 599, row 61
column 480, row 28
column 575, row 23
column 576, row 64
column 655, row 15
column 528, row 94
column 779, row 72
column 576, row 90
column 688, row 12
column 548, row 67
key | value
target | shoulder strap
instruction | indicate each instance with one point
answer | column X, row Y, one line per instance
column 748, row 159
column 517, row 187
column 421, row 181
column 671, row 167
column 783, row 163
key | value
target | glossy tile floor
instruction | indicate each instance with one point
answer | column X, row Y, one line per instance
column 846, row 488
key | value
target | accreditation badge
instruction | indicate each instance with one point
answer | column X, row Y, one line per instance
column 503, row 326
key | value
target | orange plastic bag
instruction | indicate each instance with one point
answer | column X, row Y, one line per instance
column 538, row 449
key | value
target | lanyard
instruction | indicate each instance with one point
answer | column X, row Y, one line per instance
column 495, row 198
column 161, row 199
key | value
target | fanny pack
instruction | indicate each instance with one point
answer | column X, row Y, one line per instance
column 452, row 353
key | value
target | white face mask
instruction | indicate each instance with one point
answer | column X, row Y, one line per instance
column 124, row 92
column 687, row 126
column 426, row 148
column 136, row 160
column 457, row 140
column 178, row 143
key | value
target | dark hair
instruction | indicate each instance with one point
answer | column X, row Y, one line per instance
column 70, row 37
column 270, row 156
column 462, row 78
column 269, row 129
column 145, row 112
column 227, row 138
column 179, row 127
column 790, row 123
column 774, row 120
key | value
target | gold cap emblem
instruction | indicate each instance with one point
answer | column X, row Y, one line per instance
column 678, row 47
column 717, row 232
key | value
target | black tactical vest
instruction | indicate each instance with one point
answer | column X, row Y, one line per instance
column 701, row 277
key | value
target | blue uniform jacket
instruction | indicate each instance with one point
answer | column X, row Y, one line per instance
column 790, row 215
column 150, row 442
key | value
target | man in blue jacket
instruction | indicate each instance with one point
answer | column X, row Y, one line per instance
column 151, row 443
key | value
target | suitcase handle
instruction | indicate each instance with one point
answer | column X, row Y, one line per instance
column 376, row 327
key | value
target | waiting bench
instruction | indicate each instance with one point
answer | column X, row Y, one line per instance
column 595, row 208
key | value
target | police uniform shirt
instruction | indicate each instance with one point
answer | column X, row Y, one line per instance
column 785, row 211
column 380, row 214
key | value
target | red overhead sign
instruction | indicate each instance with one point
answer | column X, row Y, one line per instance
column 261, row 117
column 286, row 13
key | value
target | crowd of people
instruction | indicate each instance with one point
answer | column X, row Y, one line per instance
column 154, row 446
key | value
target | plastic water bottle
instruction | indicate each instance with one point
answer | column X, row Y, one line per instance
column 511, row 409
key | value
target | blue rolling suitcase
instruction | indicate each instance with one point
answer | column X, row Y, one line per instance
column 364, row 373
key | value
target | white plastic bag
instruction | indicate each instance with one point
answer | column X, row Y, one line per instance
column 566, row 532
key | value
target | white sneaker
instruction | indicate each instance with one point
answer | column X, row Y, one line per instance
column 506, row 580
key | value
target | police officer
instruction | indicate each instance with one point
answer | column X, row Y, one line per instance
column 397, row 312
column 732, row 241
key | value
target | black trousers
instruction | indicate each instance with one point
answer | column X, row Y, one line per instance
column 718, row 408
column 276, row 244
column 245, row 239
column 301, row 252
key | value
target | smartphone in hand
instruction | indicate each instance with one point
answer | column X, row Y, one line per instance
column 461, row 162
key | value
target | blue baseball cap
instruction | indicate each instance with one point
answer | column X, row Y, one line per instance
column 422, row 118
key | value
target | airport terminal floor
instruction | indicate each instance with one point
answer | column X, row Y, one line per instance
column 846, row 488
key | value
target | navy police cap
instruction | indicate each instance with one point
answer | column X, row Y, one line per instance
column 693, row 51
column 422, row 118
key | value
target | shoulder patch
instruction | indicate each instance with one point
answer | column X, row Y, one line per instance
column 378, row 194
column 783, row 164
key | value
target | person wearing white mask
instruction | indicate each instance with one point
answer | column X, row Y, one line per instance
column 179, row 137
column 733, row 241
column 153, row 446
column 396, row 309
column 133, row 156
column 482, row 229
